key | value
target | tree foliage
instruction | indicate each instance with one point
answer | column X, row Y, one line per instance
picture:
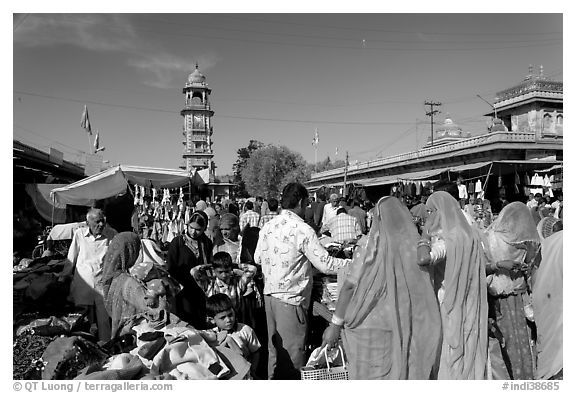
column 270, row 168
column 326, row 165
column 244, row 154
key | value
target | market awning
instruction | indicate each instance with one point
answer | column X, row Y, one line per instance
column 419, row 175
column 113, row 181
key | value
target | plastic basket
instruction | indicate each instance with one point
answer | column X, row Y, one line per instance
column 328, row 373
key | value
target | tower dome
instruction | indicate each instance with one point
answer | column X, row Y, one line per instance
column 449, row 129
column 498, row 126
column 196, row 76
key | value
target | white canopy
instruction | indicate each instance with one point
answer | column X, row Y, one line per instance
column 113, row 181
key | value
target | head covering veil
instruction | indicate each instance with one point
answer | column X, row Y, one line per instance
column 393, row 288
column 515, row 224
column 120, row 290
column 464, row 308
column 121, row 255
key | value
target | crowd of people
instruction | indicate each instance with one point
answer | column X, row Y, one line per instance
column 438, row 287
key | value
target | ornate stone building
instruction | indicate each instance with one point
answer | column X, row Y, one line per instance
column 525, row 137
column 197, row 129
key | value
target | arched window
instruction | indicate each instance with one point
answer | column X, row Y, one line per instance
column 559, row 120
column 547, row 122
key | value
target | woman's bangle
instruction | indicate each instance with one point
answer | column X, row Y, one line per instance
column 424, row 242
column 337, row 320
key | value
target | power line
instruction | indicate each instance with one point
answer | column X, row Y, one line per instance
column 219, row 115
column 340, row 27
column 357, row 47
column 20, row 22
column 323, row 37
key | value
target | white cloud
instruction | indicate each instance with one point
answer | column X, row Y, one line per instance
column 168, row 71
column 98, row 32
column 110, row 33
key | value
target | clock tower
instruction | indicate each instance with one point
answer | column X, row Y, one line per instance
column 197, row 129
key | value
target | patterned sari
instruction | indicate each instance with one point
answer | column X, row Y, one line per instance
column 512, row 236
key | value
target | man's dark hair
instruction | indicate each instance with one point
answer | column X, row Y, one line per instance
column 217, row 303
column 340, row 210
column 448, row 186
column 222, row 260
column 273, row 204
column 249, row 205
column 292, row 194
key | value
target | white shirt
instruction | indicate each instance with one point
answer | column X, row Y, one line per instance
column 329, row 212
column 462, row 192
column 87, row 252
column 287, row 248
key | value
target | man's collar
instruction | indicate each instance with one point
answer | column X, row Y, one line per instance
column 291, row 214
column 88, row 233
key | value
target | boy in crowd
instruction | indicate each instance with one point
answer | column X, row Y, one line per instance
column 221, row 277
column 230, row 333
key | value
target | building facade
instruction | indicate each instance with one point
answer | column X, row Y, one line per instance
column 197, row 128
column 526, row 136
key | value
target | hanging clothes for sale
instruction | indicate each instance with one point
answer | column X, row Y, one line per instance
column 546, row 182
column 478, row 187
column 499, row 181
column 418, row 188
column 516, row 178
column 526, row 179
column 471, row 188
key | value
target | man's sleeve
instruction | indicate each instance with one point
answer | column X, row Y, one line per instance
column 318, row 256
column 257, row 252
column 72, row 257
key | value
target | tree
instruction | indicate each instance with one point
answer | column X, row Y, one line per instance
column 271, row 167
column 244, row 154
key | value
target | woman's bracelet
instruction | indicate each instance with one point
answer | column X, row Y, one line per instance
column 424, row 242
column 337, row 320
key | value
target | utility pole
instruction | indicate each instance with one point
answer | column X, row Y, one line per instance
column 431, row 113
column 345, row 175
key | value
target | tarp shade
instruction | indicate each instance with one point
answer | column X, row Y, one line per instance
column 420, row 175
column 113, row 181
column 46, row 207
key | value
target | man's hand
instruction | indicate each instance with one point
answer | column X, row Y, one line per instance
column 331, row 336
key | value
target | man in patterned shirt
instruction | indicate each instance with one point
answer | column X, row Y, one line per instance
column 249, row 216
column 287, row 249
column 343, row 227
column 273, row 207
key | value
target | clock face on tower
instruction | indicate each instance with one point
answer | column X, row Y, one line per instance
column 198, row 120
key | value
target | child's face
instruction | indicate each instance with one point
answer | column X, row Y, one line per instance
column 225, row 320
column 224, row 274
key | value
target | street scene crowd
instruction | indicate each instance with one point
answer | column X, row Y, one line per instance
column 429, row 286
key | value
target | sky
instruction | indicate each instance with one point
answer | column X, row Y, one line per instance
column 361, row 79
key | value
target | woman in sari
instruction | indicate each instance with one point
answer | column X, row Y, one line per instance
column 125, row 296
column 386, row 308
column 460, row 283
column 227, row 238
column 186, row 251
column 511, row 243
column 548, row 311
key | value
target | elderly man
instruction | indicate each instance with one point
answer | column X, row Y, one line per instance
column 287, row 248
column 86, row 257
column 343, row 228
column 330, row 208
